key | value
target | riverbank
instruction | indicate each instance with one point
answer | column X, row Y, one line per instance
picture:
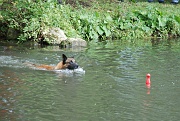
column 91, row 20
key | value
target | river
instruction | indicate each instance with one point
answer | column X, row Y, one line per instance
column 111, row 86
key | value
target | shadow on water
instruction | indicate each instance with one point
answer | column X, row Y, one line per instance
column 112, row 87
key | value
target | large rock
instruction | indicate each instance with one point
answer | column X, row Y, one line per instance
column 57, row 36
column 73, row 42
column 54, row 35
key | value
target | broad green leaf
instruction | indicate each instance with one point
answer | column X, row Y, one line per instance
column 177, row 18
column 95, row 35
column 146, row 29
column 99, row 30
column 107, row 32
column 108, row 18
column 162, row 21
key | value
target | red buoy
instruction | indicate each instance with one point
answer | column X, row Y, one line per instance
column 148, row 81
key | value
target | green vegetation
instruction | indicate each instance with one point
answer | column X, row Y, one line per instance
column 92, row 20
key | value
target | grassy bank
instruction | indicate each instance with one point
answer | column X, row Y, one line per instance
column 91, row 19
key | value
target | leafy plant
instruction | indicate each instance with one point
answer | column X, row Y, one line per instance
column 100, row 22
column 31, row 18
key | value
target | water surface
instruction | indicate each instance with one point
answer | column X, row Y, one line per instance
column 111, row 89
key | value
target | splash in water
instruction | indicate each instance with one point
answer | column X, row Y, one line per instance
column 67, row 71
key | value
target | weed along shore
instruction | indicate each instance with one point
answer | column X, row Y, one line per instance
column 94, row 20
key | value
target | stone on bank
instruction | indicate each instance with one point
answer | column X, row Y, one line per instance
column 56, row 36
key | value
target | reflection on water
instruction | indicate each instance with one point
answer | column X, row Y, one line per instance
column 110, row 85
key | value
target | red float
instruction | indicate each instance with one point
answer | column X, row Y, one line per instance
column 148, row 80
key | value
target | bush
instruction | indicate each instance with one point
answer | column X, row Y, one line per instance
column 31, row 18
column 99, row 22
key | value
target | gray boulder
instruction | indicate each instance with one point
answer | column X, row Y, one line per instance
column 58, row 37
column 54, row 35
column 73, row 42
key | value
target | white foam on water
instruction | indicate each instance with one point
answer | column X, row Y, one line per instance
column 75, row 71
column 79, row 70
column 9, row 61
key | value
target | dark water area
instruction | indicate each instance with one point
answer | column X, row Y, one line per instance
column 109, row 87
